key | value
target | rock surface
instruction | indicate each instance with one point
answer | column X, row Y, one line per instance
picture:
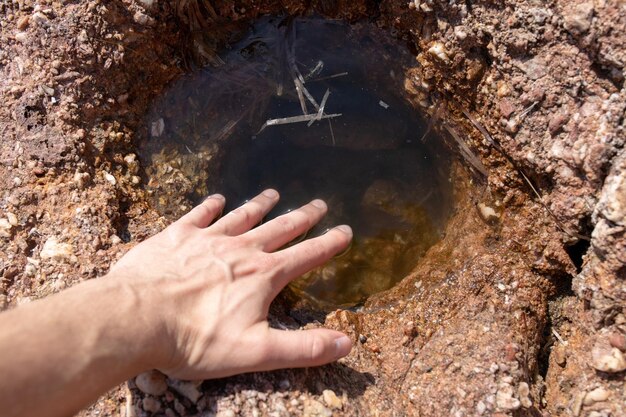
column 543, row 81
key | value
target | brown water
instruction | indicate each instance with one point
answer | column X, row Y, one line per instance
column 368, row 163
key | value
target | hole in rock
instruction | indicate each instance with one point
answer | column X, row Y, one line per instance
column 316, row 109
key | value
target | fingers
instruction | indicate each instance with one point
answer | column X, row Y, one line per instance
column 286, row 228
column 247, row 216
column 204, row 213
column 303, row 348
column 301, row 258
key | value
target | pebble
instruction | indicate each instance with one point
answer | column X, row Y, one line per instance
column 331, row 399
column 559, row 356
column 314, row 408
column 53, row 249
column 487, row 213
column 225, row 413
column 22, row 37
column 438, row 51
column 460, row 33
column 115, row 240
column 151, row 405
column 577, row 20
column 142, row 18
column 110, row 178
column 186, row 389
column 556, row 123
column 409, row 329
column 523, row 390
column 607, row 360
column 505, row 399
column 80, row 179
column 506, row 108
column 617, row 340
column 5, row 228
column 23, row 22
column 12, row 218
column 596, row 396
column 151, row 382
column 40, row 19
column 481, row 408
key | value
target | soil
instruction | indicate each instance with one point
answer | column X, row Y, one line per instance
column 518, row 311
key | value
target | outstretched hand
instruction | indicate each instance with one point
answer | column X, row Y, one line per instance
column 206, row 286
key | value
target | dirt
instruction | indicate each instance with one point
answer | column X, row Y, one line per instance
column 518, row 311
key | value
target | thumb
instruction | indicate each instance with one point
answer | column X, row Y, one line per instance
column 304, row 348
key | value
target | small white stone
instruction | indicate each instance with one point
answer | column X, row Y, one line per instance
column 12, row 218
column 80, row 179
column 130, row 159
column 487, row 213
column 439, row 51
column 523, row 390
column 115, row 239
column 151, row 405
column 40, row 19
column 151, row 382
column 481, row 407
column 53, row 249
column 110, row 178
column 5, row 224
column 610, row 361
column 459, row 32
column 331, row 399
column 186, row 389
column 596, row 396
column 505, row 399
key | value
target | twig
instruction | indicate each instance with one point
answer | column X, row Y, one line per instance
column 499, row 148
column 332, row 134
column 295, row 119
column 228, row 127
column 341, row 74
column 435, row 117
column 300, row 96
column 558, row 336
column 306, row 93
column 320, row 112
column 466, row 151
column 318, row 68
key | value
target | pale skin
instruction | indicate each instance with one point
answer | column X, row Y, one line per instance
column 192, row 301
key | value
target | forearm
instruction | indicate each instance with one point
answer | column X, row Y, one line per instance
column 59, row 354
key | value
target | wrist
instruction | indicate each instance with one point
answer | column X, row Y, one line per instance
column 138, row 319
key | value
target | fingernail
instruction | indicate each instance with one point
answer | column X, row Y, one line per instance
column 343, row 346
column 320, row 204
column 270, row 193
column 345, row 228
column 215, row 197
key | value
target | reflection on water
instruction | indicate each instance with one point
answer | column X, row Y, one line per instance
column 367, row 161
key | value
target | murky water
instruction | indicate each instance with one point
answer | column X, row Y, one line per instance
column 232, row 130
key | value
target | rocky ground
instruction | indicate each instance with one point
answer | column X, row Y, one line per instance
column 518, row 311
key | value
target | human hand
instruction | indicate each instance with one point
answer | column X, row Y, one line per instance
column 206, row 289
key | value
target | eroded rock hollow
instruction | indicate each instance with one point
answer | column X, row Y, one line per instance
column 517, row 310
